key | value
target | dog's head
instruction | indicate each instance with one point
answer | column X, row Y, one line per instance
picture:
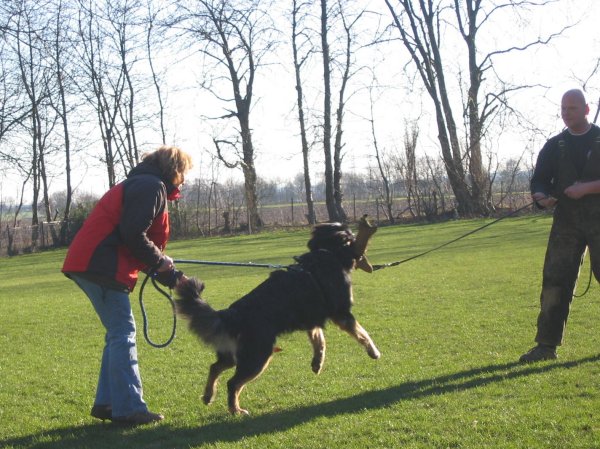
column 331, row 237
column 339, row 239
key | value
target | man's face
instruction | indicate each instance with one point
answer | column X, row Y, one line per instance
column 574, row 112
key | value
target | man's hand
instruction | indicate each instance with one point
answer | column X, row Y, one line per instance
column 543, row 200
column 581, row 189
column 577, row 190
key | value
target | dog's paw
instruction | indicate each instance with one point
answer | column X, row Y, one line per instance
column 239, row 411
column 373, row 352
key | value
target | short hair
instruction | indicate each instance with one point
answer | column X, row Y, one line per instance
column 576, row 93
column 171, row 161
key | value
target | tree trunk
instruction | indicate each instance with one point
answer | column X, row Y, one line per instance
column 311, row 215
column 330, row 199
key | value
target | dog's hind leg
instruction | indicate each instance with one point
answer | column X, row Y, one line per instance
column 251, row 362
column 317, row 339
column 349, row 324
column 225, row 360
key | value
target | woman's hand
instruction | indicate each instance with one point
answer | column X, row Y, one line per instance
column 165, row 265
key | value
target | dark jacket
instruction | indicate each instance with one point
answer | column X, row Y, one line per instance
column 559, row 165
column 126, row 232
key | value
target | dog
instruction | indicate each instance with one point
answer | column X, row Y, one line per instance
column 304, row 296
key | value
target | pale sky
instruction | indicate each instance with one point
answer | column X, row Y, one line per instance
column 555, row 66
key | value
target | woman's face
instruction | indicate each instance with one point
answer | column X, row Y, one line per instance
column 179, row 180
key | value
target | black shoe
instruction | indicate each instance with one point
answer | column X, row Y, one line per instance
column 539, row 353
column 102, row 412
column 138, row 419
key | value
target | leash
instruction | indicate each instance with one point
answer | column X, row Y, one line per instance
column 277, row 266
column 393, row 264
column 230, row 264
column 145, row 317
column 375, row 267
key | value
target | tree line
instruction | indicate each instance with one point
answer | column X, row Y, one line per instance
column 77, row 72
column 217, row 208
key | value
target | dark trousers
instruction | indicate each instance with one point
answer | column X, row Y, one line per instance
column 576, row 226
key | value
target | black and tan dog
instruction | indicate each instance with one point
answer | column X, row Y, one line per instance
column 302, row 297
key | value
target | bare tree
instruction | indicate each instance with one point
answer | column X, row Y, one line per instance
column 13, row 107
column 151, row 40
column 235, row 38
column 112, row 42
column 299, row 61
column 121, row 16
column 409, row 170
column 100, row 84
column 348, row 24
column 327, row 127
column 59, row 57
column 338, row 68
column 383, row 166
column 421, row 25
column 30, row 47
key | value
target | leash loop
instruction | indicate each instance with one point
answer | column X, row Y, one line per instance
column 589, row 283
column 145, row 317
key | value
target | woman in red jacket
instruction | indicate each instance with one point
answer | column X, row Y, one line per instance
column 126, row 232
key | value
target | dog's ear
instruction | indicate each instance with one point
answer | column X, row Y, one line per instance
column 364, row 234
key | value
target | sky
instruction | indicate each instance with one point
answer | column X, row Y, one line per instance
column 556, row 67
column 275, row 127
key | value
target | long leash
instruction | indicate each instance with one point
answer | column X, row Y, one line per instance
column 277, row 266
column 393, row 264
column 231, row 264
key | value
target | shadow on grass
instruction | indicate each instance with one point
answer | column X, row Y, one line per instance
column 230, row 429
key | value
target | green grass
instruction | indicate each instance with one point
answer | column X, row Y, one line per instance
column 450, row 326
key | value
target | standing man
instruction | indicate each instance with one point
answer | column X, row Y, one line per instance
column 567, row 177
column 126, row 232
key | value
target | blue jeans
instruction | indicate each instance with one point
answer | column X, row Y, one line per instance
column 119, row 384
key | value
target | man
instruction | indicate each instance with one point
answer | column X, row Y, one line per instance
column 567, row 177
column 126, row 232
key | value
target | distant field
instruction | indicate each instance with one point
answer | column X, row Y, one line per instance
column 450, row 326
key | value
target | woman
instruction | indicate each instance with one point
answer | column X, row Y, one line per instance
column 126, row 232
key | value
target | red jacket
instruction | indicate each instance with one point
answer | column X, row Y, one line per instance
column 126, row 232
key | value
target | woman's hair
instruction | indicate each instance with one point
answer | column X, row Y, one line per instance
column 173, row 162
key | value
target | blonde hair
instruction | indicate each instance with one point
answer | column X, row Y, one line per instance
column 173, row 162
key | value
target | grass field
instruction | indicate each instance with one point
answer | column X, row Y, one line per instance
column 450, row 326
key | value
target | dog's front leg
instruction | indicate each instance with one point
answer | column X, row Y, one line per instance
column 349, row 324
column 317, row 339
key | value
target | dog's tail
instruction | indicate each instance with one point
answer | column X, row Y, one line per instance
column 204, row 321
